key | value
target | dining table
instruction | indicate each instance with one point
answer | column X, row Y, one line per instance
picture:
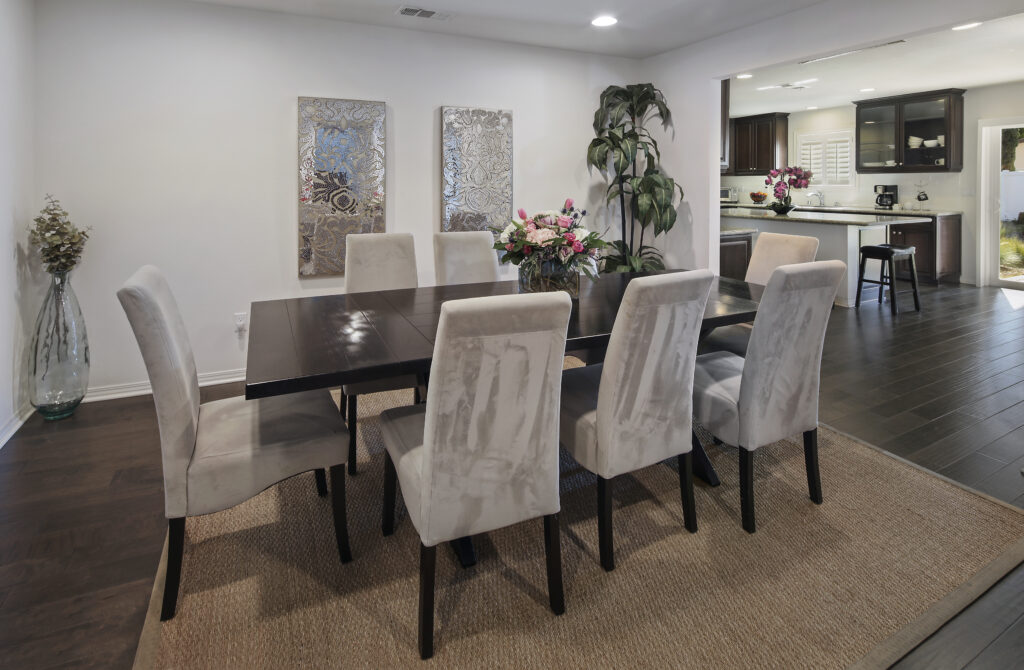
column 326, row 341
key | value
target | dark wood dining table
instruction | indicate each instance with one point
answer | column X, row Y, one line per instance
column 302, row 344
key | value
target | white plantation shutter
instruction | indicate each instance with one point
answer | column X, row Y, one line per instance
column 829, row 156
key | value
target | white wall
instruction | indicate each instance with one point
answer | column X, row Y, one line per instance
column 688, row 77
column 946, row 191
column 15, row 200
column 170, row 128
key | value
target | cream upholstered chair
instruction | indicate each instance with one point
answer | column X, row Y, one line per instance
column 772, row 393
column 465, row 258
column 482, row 453
column 219, row 454
column 376, row 262
column 633, row 410
column 771, row 251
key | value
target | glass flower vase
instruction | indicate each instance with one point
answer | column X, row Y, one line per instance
column 548, row 276
column 59, row 373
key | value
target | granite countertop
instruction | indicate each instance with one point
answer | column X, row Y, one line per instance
column 834, row 218
column 729, row 232
column 854, row 210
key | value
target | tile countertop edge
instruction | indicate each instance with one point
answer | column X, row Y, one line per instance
column 834, row 218
column 840, row 209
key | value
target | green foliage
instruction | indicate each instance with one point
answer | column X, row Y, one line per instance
column 59, row 241
column 1011, row 256
column 1012, row 137
column 622, row 142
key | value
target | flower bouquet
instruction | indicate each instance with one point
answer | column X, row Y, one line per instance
column 788, row 179
column 551, row 249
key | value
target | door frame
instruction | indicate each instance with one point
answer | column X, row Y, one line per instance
column 989, row 146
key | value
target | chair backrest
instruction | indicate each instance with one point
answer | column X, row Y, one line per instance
column 490, row 443
column 160, row 332
column 644, row 404
column 465, row 258
column 775, row 249
column 782, row 369
column 380, row 262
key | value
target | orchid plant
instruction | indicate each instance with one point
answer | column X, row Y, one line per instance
column 551, row 236
column 788, row 178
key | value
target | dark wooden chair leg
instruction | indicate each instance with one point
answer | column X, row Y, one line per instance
column 747, row 489
column 913, row 283
column 321, row 482
column 342, row 406
column 860, row 280
column 553, row 553
column 893, row 303
column 387, row 524
column 686, row 491
column 352, row 419
column 604, row 523
column 340, row 516
column 175, row 550
column 881, row 283
column 811, row 460
column 428, row 557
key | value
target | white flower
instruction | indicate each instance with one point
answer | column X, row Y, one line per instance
column 507, row 233
column 580, row 232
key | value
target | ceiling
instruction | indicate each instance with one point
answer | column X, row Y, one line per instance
column 645, row 28
column 989, row 54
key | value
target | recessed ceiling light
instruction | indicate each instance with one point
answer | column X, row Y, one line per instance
column 765, row 88
column 604, row 21
column 866, row 90
column 744, row 76
column 967, row 26
column 810, row 108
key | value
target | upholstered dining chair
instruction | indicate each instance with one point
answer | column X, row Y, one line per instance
column 482, row 453
column 376, row 262
column 465, row 258
column 772, row 393
column 770, row 251
column 219, row 454
column 633, row 410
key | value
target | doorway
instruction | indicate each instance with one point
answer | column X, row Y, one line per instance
column 1001, row 203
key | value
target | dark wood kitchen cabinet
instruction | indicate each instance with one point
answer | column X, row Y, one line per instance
column 734, row 254
column 936, row 248
column 759, row 143
column 893, row 133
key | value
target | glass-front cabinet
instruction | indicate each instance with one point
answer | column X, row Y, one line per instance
column 922, row 132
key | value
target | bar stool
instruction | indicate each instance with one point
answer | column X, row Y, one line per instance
column 888, row 254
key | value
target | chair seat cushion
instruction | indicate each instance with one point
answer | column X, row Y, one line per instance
column 577, row 427
column 381, row 385
column 727, row 338
column 244, row 446
column 402, row 430
column 716, row 394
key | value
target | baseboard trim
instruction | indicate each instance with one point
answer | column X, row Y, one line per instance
column 114, row 391
column 8, row 430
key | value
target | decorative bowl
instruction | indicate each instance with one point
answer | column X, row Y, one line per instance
column 931, row 143
column 758, row 197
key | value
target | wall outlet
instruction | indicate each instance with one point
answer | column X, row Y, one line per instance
column 241, row 321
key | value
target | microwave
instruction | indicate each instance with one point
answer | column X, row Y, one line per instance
column 728, row 194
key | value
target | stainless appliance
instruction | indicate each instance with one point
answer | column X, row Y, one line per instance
column 888, row 195
column 728, row 194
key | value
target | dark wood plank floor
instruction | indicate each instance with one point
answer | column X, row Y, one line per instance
column 81, row 503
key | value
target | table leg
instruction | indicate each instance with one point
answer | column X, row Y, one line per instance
column 464, row 551
column 702, row 467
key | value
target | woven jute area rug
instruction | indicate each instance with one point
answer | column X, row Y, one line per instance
column 891, row 554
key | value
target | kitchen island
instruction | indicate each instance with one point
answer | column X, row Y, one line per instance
column 840, row 235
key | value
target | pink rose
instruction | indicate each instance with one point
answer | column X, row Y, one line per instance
column 564, row 221
column 509, row 246
column 541, row 236
column 568, row 203
column 527, row 250
column 564, row 253
column 522, row 214
column 569, row 237
column 577, row 246
column 530, row 225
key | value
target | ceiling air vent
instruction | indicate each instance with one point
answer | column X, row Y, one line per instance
column 419, row 13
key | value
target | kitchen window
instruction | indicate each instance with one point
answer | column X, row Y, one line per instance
column 829, row 156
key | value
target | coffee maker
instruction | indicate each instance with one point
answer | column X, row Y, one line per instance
column 888, row 195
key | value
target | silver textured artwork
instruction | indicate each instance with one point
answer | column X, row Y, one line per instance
column 476, row 168
column 341, row 179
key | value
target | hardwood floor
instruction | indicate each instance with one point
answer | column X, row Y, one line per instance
column 81, row 502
